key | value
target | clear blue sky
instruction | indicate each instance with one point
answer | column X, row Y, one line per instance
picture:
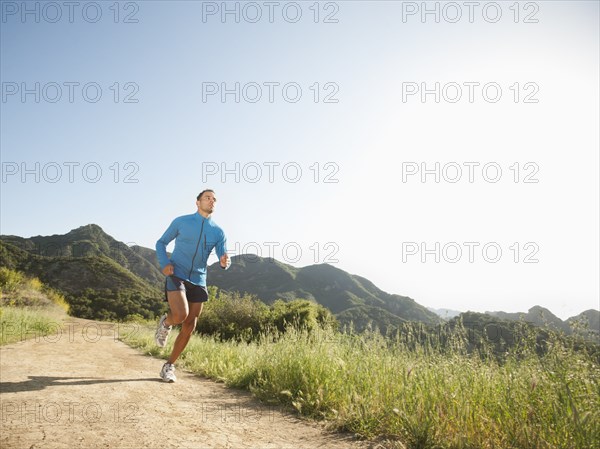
column 343, row 91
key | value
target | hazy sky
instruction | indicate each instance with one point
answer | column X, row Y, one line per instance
column 448, row 151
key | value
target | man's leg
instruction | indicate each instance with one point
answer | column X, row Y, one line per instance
column 194, row 309
column 178, row 308
column 178, row 311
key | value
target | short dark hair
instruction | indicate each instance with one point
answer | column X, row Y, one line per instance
column 203, row 192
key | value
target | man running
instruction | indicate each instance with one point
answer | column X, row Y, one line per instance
column 195, row 235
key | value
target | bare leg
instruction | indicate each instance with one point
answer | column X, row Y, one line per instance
column 178, row 308
column 187, row 329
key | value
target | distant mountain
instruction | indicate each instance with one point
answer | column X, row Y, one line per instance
column 504, row 334
column 587, row 323
column 70, row 274
column 150, row 256
column 349, row 297
column 95, row 285
column 590, row 317
column 106, row 279
column 537, row 315
column 89, row 241
column 445, row 314
column 91, row 266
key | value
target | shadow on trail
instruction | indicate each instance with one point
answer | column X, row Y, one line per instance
column 40, row 382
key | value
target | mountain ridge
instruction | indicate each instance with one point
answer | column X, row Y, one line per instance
column 57, row 258
column 341, row 292
column 91, row 240
column 96, row 287
column 72, row 261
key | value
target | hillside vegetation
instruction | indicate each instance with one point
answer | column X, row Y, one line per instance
column 476, row 381
column 95, row 287
column 413, row 392
column 28, row 308
column 88, row 242
column 349, row 297
column 102, row 278
column 97, row 272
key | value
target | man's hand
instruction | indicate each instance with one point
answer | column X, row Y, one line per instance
column 168, row 270
column 225, row 261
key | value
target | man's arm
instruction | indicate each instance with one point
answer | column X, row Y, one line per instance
column 224, row 259
column 161, row 245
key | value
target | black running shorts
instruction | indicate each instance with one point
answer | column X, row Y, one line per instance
column 193, row 292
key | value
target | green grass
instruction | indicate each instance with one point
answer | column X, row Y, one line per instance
column 420, row 397
column 23, row 323
column 28, row 308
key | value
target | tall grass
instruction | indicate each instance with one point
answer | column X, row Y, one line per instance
column 28, row 308
column 422, row 394
column 22, row 323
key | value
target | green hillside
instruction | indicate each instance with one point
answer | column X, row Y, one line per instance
column 94, row 271
column 103, row 278
column 587, row 322
column 92, row 241
column 349, row 297
column 95, row 287
column 537, row 315
column 149, row 255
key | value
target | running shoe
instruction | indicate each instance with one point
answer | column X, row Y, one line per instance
column 162, row 332
column 167, row 373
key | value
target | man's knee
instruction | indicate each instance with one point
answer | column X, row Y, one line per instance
column 189, row 325
column 179, row 316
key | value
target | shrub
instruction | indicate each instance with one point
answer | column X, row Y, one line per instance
column 10, row 280
column 232, row 316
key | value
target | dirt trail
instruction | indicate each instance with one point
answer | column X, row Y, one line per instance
column 81, row 388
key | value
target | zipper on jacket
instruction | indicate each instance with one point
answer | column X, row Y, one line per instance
column 197, row 245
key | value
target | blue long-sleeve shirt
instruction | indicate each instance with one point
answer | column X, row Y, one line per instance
column 195, row 237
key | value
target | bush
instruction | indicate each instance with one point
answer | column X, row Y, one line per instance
column 232, row 316
column 301, row 314
column 56, row 298
column 116, row 305
column 10, row 280
column 17, row 289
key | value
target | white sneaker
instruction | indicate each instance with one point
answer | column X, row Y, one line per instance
column 167, row 373
column 162, row 332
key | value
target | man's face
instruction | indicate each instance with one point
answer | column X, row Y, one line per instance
column 207, row 202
